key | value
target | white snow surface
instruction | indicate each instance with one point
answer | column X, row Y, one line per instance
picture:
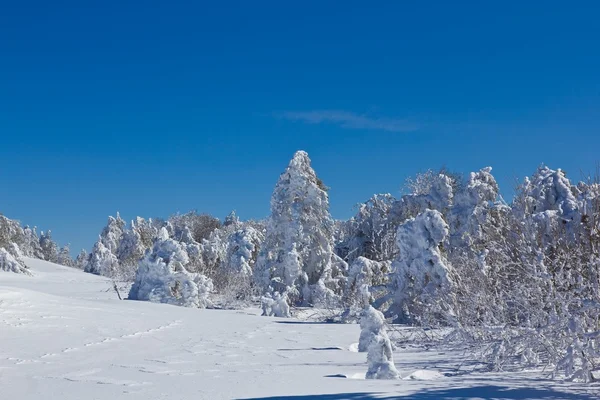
column 65, row 335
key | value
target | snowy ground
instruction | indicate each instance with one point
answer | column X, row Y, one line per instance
column 65, row 335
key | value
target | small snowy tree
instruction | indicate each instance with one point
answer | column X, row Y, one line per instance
column 375, row 341
column 371, row 232
column 363, row 274
column 102, row 261
column 82, row 259
column 232, row 220
column 422, row 275
column 64, row 257
column 242, row 251
column 48, row 246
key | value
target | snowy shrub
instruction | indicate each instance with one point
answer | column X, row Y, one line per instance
column 10, row 263
column 200, row 225
column 375, row 341
column 275, row 305
column 162, row 278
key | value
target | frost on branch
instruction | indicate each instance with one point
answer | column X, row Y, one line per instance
column 162, row 277
column 375, row 341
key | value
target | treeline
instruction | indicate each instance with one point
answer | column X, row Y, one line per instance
column 17, row 242
column 522, row 276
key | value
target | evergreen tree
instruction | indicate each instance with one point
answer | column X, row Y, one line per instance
column 111, row 234
column 49, row 247
column 82, row 259
column 64, row 257
column 297, row 255
column 102, row 261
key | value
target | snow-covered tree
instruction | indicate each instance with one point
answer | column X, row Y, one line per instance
column 31, row 243
column 429, row 191
column 130, row 248
column 48, row 246
column 161, row 276
column 231, row 219
column 371, row 232
column 10, row 263
column 275, row 305
column 421, row 273
column 546, row 190
column 11, row 236
column 363, row 275
column 228, row 257
column 82, row 259
column 200, row 225
column 297, row 254
column 375, row 341
column 64, row 257
column 471, row 207
column 102, row 261
column 242, row 251
column 111, row 234
column 147, row 230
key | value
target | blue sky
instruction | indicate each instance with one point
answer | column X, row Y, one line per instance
column 149, row 108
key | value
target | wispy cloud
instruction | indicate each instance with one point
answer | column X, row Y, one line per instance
column 349, row 120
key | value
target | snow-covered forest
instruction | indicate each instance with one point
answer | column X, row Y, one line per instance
column 517, row 281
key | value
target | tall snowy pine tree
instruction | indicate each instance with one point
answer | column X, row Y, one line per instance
column 297, row 255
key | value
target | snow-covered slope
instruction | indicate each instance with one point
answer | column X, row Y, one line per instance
column 65, row 335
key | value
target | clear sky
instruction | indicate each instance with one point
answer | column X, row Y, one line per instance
column 149, row 108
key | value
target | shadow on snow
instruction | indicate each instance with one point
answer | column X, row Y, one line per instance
column 485, row 392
